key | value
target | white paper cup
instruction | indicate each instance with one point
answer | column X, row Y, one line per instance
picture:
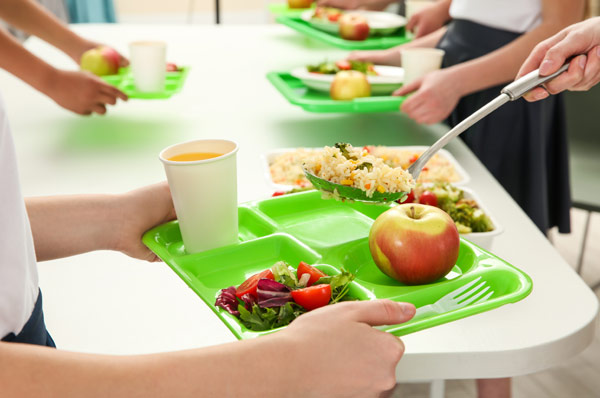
column 414, row 6
column 204, row 193
column 420, row 61
column 148, row 61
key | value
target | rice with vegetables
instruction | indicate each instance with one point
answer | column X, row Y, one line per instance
column 356, row 168
column 286, row 168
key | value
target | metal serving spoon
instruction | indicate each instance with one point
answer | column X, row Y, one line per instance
column 512, row 92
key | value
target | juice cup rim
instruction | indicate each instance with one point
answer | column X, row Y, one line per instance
column 147, row 43
column 436, row 51
column 194, row 162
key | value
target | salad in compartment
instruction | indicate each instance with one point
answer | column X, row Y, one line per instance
column 331, row 68
column 276, row 296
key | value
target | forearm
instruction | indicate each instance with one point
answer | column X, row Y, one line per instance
column 63, row 226
column 502, row 65
column 33, row 18
column 430, row 40
column 207, row 372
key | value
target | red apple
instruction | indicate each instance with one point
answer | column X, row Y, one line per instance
column 101, row 61
column 353, row 27
column 299, row 3
column 171, row 67
column 414, row 243
column 349, row 84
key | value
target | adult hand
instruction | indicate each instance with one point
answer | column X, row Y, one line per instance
column 391, row 56
column 82, row 92
column 376, row 5
column 436, row 95
column 581, row 40
column 429, row 19
column 340, row 345
column 140, row 210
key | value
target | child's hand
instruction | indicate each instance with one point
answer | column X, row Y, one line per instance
column 82, row 92
column 391, row 56
column 140, row 210
column 77, row 51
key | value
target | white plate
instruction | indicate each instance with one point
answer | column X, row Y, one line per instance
column 270, row 156
column 389, row 79
column 380, row 23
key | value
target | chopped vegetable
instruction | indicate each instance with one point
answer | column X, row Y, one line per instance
column 250, row 284
column 313, row 273
column 331, row 68
column 343, row 147
column 313, row 297
column 365, row 165
column 283, row 274
column 272, row 294
column 228, row 301
column 428, row 198
column 340, row 284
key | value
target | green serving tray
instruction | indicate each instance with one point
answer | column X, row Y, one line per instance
column 283, row 9
column 331, row 234
column 316, row 101
column 371, row 43
column 124, row 81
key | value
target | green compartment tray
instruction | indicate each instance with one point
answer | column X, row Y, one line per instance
column 279, row 9
column 371, row 43
column 124, row 81
column 331, row 234
column 315, row 101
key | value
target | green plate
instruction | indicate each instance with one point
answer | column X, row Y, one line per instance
column 371, row 43
column 283, row 9
column 315, row 101
column 331, row 234
column 124, row 81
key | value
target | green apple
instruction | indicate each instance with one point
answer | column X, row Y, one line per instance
column 100, row 61
column 349, row 84
column 414, row 243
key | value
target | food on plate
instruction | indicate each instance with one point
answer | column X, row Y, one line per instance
column 348, row 85
column 466, row 213
column 438, row 169
column 171, row 67
column 415, row 244
column 100, row 61
column 328, row 14
column 299, row 3
column 345, row 165
column 276, row 296
column 353, row 26
column 286, row 169
column 331, row 68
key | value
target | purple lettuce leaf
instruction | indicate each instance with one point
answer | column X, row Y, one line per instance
column 228, row 301
column 272, row 294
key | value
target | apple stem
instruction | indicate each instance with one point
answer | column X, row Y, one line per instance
column 412, row 211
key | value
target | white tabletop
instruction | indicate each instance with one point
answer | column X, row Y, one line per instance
column 106, row 302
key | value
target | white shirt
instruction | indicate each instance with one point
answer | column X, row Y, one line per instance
column 514, row 15
column 18, row 269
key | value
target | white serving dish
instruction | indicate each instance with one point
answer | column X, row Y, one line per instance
column 482, row 239
column 388, row 79
column 380, row 23
column 270, row 156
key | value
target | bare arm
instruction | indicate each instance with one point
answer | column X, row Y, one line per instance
column 503, row 64
column 72, row 224
column 33, row 18
column 327, row 352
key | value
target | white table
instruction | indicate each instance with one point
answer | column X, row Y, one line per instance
column 108, row 303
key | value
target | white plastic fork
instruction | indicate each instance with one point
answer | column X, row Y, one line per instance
column 471, row 293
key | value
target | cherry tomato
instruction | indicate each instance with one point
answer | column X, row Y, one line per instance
column 428, row 198
column 343, row 65
column 250, row 284
column 334, row 17
column 314, row 273
column 278, row 193
column 366, row 148
column 410, row 198
column 312, row 297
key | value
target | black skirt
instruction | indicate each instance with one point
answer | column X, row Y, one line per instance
column 524, row 145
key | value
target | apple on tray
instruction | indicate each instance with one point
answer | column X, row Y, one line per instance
column 353, row 27
column 349, row 84
column 299, row 3
column 414, row 243
column 101, row 61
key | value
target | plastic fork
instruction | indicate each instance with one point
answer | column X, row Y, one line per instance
column 471, row 293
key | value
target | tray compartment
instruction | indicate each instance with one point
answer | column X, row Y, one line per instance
column 320, row 223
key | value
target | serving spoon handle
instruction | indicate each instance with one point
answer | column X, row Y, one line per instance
column 511, row 92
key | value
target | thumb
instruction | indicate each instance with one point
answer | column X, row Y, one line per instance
column 380, row 312
column 412, row 22
column 409, row 88
column 557, row 55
